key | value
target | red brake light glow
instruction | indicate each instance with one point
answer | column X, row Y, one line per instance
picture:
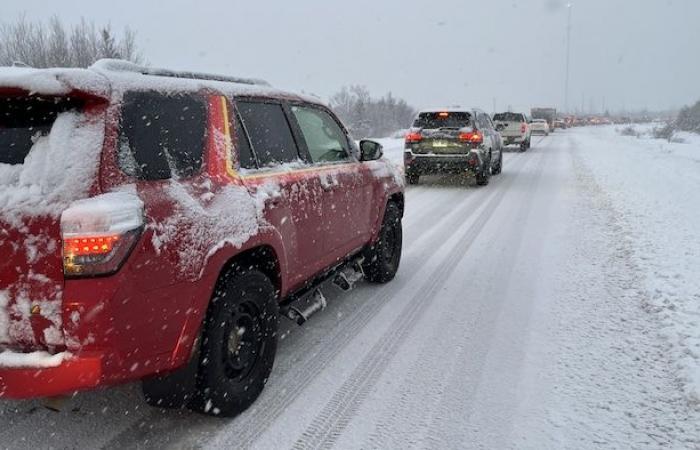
column 443, row 114
column 413, row 137
column 77, row 246
column 473, row 137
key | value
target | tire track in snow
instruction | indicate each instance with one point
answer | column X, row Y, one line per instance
column 309, row 370
column 327, row 426
column 251, row 424
column 427, row 380
column 462, row 380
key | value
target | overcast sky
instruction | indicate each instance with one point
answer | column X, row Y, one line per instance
column 624, row 53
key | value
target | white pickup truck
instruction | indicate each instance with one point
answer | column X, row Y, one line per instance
column 514, row 128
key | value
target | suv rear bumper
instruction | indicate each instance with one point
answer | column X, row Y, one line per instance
column 77, row 373
column 433, row 164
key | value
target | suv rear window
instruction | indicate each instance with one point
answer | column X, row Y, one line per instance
column 161, row 136
column 24, row 119
column 269, row 132
column 509, row 117
column 434, row 120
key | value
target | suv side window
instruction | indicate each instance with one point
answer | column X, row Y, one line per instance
column 325, row 140
column 269, row 132
column 246, row 159
column 484, row 122
column 160, row 135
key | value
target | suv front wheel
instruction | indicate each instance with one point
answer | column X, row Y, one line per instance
column 383, row 258
column 238, row 344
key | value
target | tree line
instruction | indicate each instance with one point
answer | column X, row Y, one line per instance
column 54, row 44
column 689, row 118
column 371, row 117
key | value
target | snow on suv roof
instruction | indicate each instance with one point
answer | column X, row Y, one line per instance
column 111, row 75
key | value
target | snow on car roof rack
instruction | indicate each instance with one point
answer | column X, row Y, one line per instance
column 118, row 65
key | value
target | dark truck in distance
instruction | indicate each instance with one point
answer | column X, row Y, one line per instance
column 453, row 141
column 548, row 114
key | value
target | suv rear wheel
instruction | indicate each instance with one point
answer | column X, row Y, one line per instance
column 498, row 168
column 238, row 344
column 384, row 256
column 482, row 177
column 412, row 178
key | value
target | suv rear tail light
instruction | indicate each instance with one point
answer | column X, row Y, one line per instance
column 413, row 138
column 523, row 128
column 472, row 137
column 99, row 233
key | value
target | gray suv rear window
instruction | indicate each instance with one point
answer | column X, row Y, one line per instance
column 447, row 119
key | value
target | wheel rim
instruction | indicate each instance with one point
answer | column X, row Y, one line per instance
column 243, row 343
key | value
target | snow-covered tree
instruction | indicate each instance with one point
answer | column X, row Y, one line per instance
column 53, row 44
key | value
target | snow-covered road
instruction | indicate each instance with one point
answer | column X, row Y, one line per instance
column 520, row 318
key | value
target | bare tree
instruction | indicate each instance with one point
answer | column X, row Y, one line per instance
column 54, row 44
column 368, row 117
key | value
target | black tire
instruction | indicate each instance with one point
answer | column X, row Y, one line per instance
column 498, row 168
column 384, row 256
column 524, row 145
column 238, row 343
column 412, row 178
column 482, row 177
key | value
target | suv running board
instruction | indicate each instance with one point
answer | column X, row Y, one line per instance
column 308, row 306
column 311, row 300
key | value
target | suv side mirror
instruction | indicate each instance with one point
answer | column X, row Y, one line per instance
column 370, row 150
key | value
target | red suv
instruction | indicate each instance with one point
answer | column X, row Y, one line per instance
column 154, row 225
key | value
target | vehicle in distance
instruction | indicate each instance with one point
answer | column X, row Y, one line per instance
column 559, row 123
column 539, row 126
column 154, row 224
column 443, row 141
column 548, row 114
column 514, row 129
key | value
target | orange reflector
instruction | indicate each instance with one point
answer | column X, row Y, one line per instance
column 443, row 114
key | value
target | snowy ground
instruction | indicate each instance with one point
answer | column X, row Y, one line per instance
column 554, row 308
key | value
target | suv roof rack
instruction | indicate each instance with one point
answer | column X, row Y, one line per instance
column 118, row 65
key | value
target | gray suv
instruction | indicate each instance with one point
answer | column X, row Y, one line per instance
column 453, row 140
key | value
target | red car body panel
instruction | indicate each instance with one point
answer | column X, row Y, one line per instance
column 144, row 319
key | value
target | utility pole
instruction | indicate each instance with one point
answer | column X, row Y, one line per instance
column 568, row 51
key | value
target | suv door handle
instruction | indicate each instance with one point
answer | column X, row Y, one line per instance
column 328, row 183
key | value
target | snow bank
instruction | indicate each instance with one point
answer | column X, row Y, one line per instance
column 39, row 360
column 59, row 169
column 655, row 184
